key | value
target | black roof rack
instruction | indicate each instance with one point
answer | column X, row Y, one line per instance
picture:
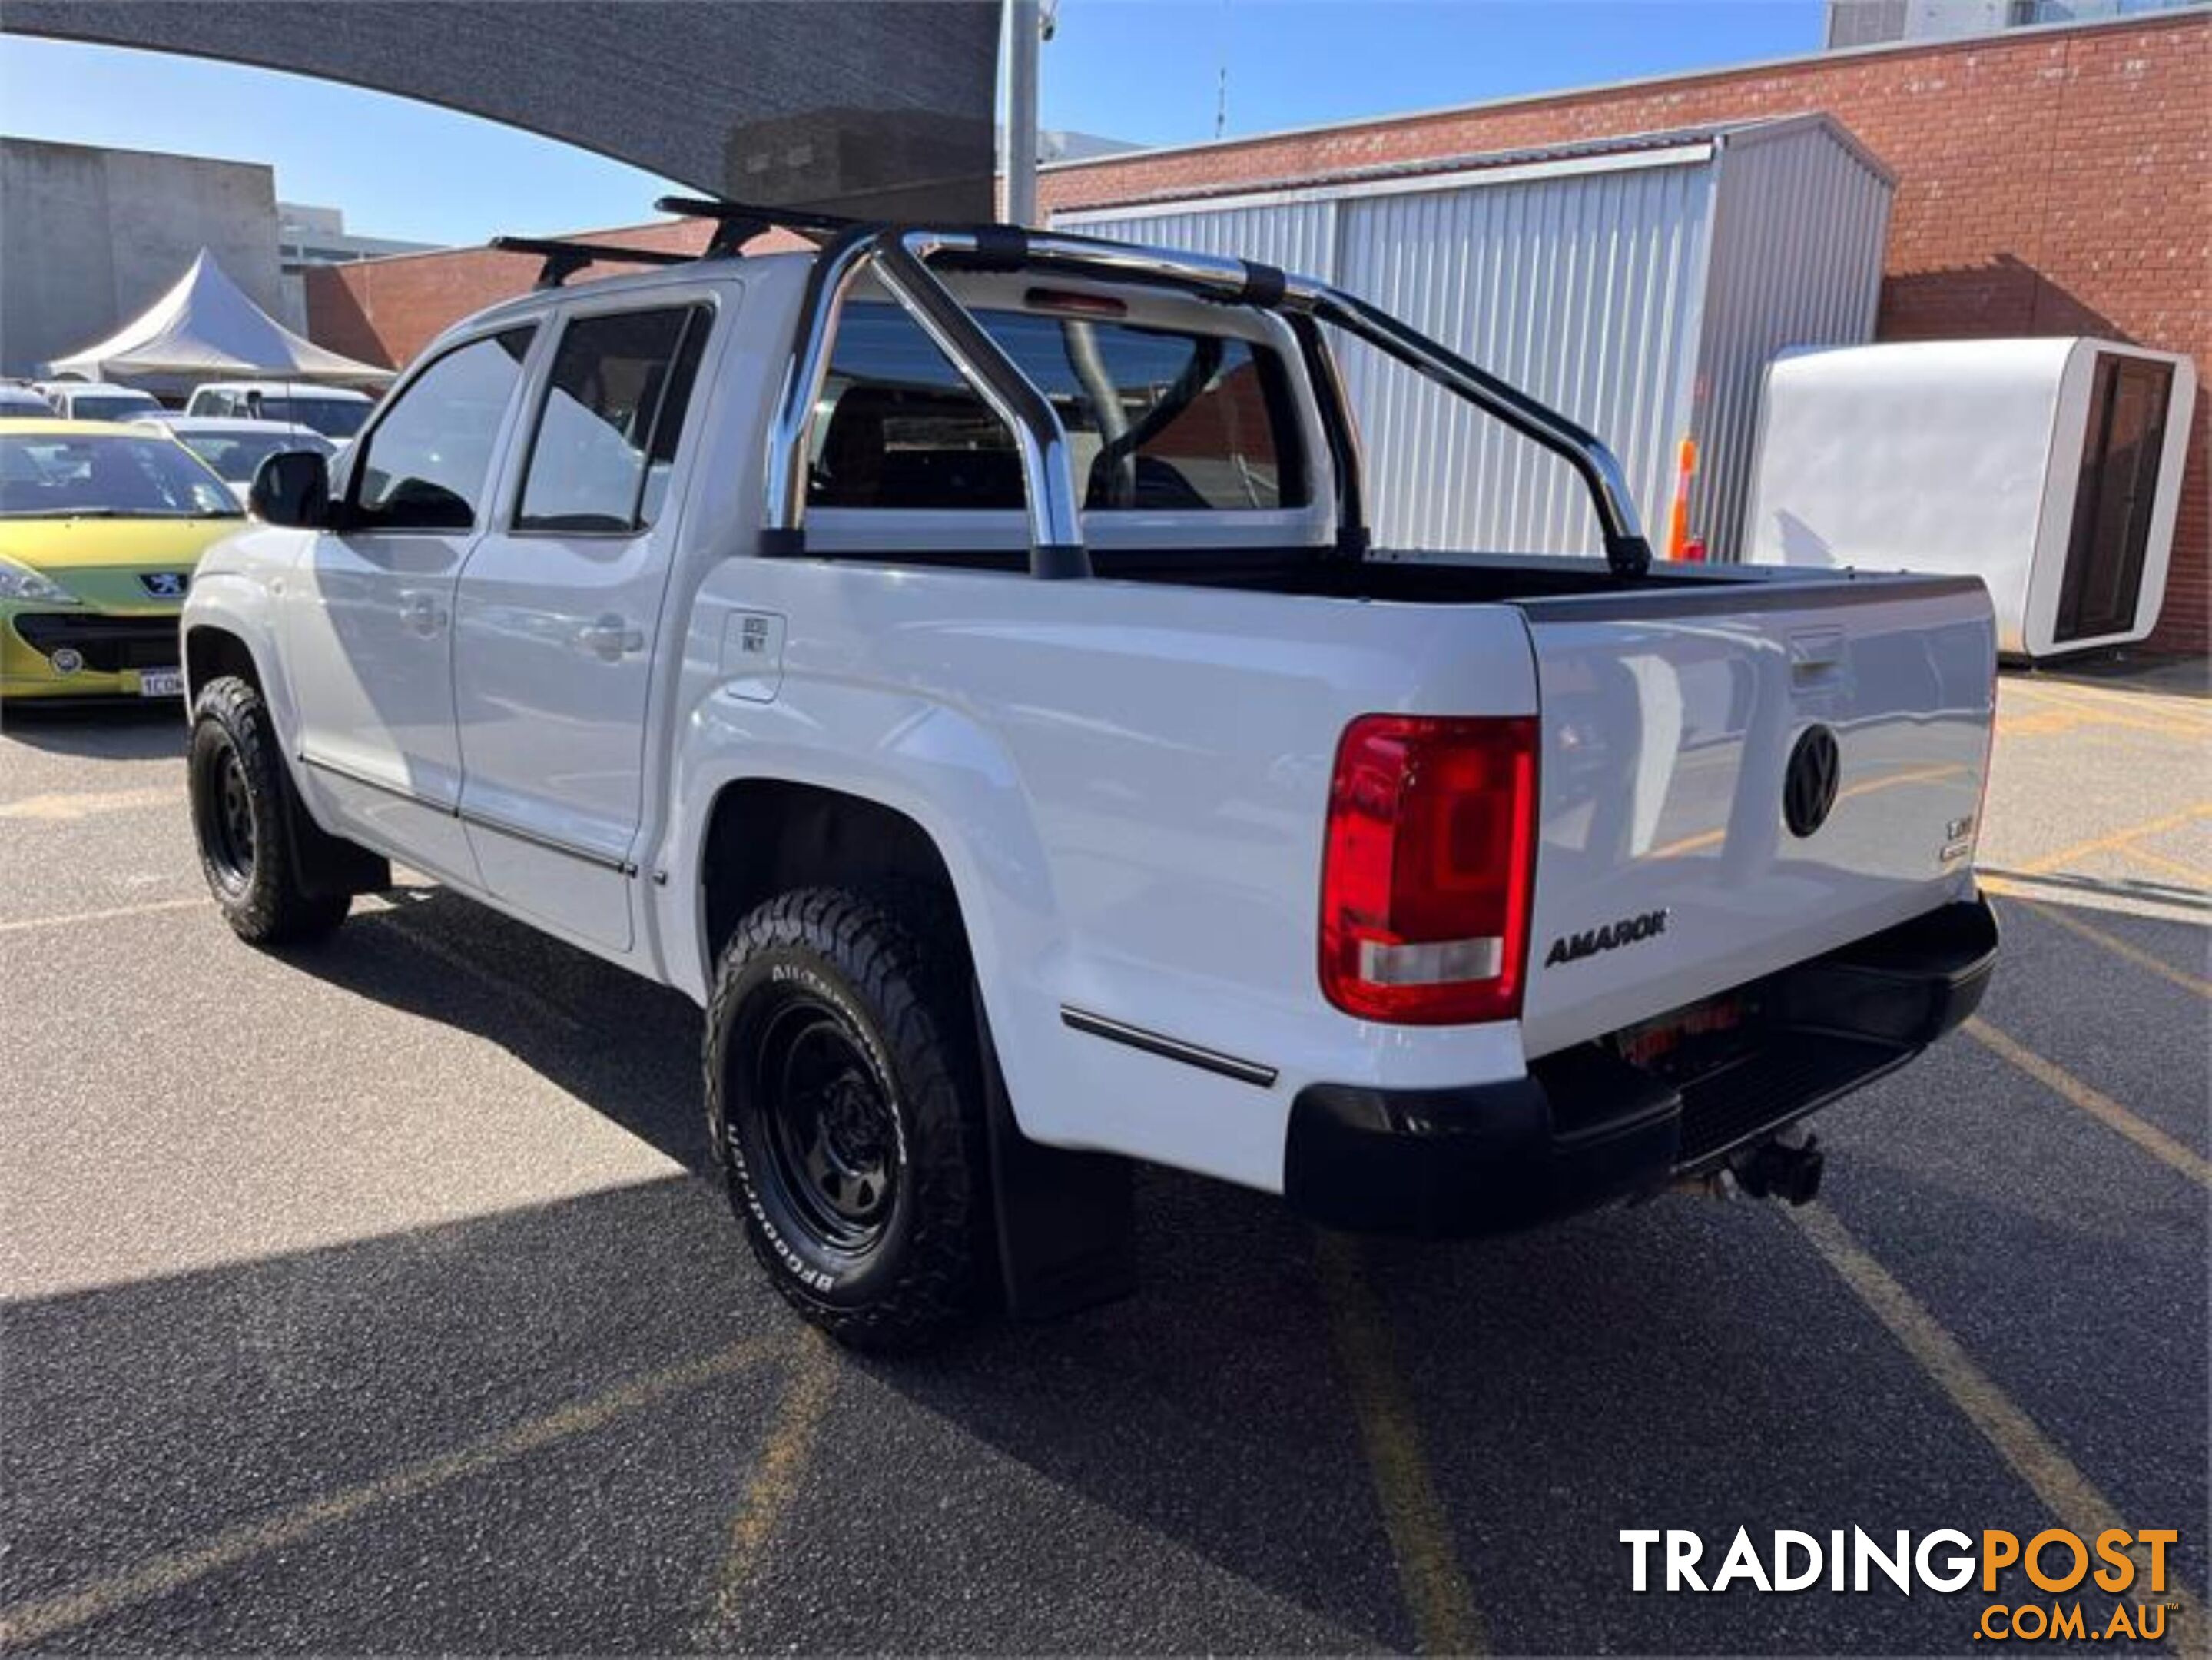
column 737, row 223
column 564, row 259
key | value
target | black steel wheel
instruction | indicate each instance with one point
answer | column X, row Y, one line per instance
column 227, row 820
column 242, row 808
column 833, row 1137
column 844, row 1099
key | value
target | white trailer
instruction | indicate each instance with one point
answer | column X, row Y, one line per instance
column 2049, row 468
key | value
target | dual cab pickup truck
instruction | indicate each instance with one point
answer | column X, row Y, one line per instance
column 956, row 659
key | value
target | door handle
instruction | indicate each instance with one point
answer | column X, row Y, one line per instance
column 1816, row 656
column 611, row 637
column 420, row 612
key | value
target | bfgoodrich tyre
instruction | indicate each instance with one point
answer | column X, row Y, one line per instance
column 845, row 1100
column 242, row 817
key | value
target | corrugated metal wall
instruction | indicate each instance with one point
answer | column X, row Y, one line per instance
column 1569, row 289
column 1643, row 300
column 1796, row 261
column 1292, row 235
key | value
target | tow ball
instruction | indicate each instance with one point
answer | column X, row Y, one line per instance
column 1782, row 1168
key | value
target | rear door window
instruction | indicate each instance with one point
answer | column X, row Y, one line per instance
column 1159, row 419
column 613, row 411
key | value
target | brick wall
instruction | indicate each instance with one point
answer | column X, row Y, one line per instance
column 2051, row 182
column 385, row 311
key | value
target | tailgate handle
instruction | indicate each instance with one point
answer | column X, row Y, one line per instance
column 1815, row 655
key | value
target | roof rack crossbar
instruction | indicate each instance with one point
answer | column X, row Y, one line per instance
column 564, row 259
column 739, row 222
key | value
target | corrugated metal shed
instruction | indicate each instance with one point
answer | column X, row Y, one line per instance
column 1641, row 284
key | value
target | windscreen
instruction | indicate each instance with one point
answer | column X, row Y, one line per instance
column 53, row 476
column 110, row 406
column 236, row 454
column 333, row 417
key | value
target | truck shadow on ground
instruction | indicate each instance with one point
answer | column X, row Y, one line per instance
column 429, row 1441
column 1679, row 1364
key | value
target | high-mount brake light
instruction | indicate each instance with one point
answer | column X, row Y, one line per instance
column 1074, row 303
column 1426, row 874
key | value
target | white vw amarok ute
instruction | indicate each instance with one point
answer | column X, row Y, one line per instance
column 955, row 658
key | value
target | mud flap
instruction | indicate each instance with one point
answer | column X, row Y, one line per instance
column 1066, row 1221
column 328, row 865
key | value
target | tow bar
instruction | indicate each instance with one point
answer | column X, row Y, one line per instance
column 1782, row 1170
column 1778, row 1169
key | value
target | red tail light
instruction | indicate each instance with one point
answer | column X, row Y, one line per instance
column 1425, row 877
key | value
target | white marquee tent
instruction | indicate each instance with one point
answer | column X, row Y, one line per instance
column 206, row 328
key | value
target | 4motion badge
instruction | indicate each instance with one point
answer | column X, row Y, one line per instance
column 1629, row 931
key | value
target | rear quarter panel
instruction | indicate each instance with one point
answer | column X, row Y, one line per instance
column 1128, row 783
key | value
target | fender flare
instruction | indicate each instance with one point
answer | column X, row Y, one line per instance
column 930, row 763
column 227, row 602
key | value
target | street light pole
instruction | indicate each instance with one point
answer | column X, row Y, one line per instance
column 1025, row 29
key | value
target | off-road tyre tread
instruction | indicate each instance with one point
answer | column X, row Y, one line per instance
column 274, row 910
column 900, row 949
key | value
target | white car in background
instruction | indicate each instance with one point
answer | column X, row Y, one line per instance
column 98, row 400
column 333, row 411
column 20, row 401
column 235, row 448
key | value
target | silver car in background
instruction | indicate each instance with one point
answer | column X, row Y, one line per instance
column 235, row 448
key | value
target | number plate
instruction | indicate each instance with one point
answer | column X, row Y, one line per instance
column 161, row 683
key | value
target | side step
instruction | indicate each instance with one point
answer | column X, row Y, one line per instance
column 1066, row 1221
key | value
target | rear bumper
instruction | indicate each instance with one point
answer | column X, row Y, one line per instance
column 1584, row 1126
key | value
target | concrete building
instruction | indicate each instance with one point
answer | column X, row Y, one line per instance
column 90, row 237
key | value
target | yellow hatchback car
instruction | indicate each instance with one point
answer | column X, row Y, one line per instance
column 100, row 528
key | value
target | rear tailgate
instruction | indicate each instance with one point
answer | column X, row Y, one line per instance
column 1667, row 867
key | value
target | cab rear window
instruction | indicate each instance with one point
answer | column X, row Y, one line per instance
column 1160, row 420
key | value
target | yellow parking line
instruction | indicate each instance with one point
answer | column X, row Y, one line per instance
column 2196, row 876
column 2044, row 723
column 2120, row 948
column 2130, row 709
column 2030, row 1454
column 75, row 919
column 2099, row 1105
column 2120, row 838
column 37, row 1621
column 2164, row 704
column 1429, row 1576
column 61, row 807
column 783, row 1463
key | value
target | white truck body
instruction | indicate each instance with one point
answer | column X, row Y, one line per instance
column 1127, row 778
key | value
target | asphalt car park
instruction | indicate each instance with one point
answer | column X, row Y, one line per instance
column 372, row 1298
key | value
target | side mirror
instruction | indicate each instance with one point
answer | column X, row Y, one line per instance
column 293, row 488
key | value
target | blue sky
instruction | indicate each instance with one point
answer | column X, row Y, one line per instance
column 1140, row 69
